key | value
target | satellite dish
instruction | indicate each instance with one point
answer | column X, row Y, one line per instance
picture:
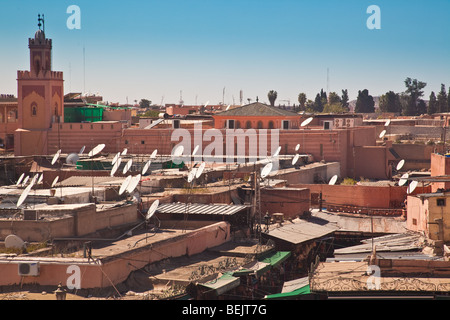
column 96, row 150
column 382, row 134
column 195, row 150
column 152, row 209
column 266, row 170
column 200, row 169
column 146, row 166
column 277, row 152
column 294, row 161
column 388, row 122
column 228, row 107
column 154, row 153
column 72, row 158
column 124, row 185
column 333, row 180
column 133, row 183
column 56, row 156
column 35, row 177
column 55, row 181
column 400, row 164
column 128, row 166
column 41, row 177
column 178, row 151
column 206, row 104
column 116, row 166
column 20, row 179
column 191, row 175
column 412, row 186
column 13, row 241
column 124, row 152
column 297, row 147
column 25, row 180
column 306, row 122
column 24, row 195
column 114, row 160
column 403, row 179
column 82, row 150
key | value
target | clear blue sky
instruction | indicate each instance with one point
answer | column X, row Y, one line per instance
column 157, row 48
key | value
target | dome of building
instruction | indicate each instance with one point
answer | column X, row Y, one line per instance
column 39, row 35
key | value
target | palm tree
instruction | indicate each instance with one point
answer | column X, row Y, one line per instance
column 272, row 95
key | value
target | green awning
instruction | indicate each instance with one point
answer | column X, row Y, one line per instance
column 277, row 258
column 287, row 295
column 223, row 284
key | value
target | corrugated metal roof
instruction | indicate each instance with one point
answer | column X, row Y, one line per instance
column 302, row 231
column 197, row 208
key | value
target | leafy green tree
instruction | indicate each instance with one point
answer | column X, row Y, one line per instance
column 318, row 104
column 364, row 102
column 414, row 88
column 333, row 98
column 442, row 100
column 432, row 104
column 302, row 100
column 421, row 107
column 272, row 95
column 144, row 103
column 390, row 102
column 344, row 99
column 334, row 108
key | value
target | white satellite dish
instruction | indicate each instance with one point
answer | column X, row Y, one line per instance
column 400, row 164
column 146, row 167
column 297, row 147
column 195, row 150
column 306, row 122
column 333, row 180
column 82, row 150
column 128, row 166
column 152, row 209
column 388, row 122
column 72, row 158
column 191, row 175
column 24, row 195
column 200, row 170
column 266, row 170
column 154, row 153
column 206, row 104
column 277, row 152
column 24, row 182
column 20, row 179
column 382, row 134
column 403, row 179
column 35, row 177
column 228, row 107
column 56, row 156
column 124, row 152
column 13, row 241
column 55, row 181
column 133, row 183
column 41, row 177
column 114, row 160
column 178, row 151
column 124, row 185
column 296, row 157
column 412, row 186
column 96, row 150
column 116, row 166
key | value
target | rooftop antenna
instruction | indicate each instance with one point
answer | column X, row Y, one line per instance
column 127, row 166
column 95, row 151
column 412, row 186
column 24, row 195
column 124, row 185
column 82, row 150
column 382, row 134
column 14, row 241
column 146, row 167
column 20, row 179
column 116, row 166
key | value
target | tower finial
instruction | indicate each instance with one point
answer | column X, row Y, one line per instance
column 41, row 20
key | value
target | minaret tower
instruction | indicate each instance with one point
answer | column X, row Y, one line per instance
column 40, row 97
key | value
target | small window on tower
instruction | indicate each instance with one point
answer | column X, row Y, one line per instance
column 440, row 202
column 33, row 110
